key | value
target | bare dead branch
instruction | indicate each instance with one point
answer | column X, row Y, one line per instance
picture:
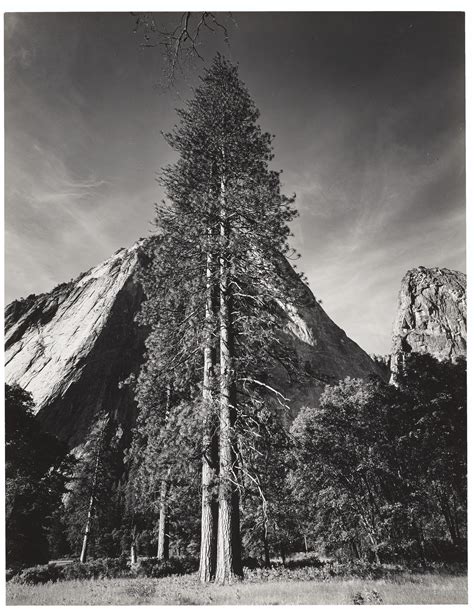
column 180, row 42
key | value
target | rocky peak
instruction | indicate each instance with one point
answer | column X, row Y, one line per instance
column 431, row 315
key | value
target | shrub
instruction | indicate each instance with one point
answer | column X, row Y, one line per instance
column 97, row 568
column 321, row 571
column 10, row 573
column 307, row 561
column 39, row 574
column 251, row 563
column 189, row 565
column 157, row 568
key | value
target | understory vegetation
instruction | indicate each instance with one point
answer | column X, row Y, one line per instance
column 401, row 588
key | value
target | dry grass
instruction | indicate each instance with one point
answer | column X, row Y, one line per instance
column 186, row 590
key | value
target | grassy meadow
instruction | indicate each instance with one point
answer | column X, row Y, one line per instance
column 407, row 588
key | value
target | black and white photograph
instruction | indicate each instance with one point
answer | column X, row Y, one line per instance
column 235, row 307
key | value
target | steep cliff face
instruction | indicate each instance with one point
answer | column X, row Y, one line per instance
column 72, row 347
column 325, row 353
column 431, row 315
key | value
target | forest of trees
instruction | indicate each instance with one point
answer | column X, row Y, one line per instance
column 373, row 473
column 37, row 469
column 216, row 470
column 381, row 471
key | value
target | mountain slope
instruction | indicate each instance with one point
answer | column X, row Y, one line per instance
column 72, row 347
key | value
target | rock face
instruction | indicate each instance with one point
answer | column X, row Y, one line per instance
column 72, row 347
column 325, row 353
column 431, row 316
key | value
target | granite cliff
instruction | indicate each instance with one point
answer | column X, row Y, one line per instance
column 72, row 347
column 431, row 315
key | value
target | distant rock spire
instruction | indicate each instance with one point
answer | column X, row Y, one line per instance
column 431, row 316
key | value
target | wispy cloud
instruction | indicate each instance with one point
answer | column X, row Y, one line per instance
column 369, row 121
column 361, row 228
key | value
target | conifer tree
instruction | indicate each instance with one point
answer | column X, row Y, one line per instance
column 162, row 472
column 37, row 470
column 94, row 504
column 217, row 291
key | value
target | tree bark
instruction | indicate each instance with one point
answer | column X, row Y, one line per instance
column 266, row 549
column 133, row 546
column 420, row 542
column 355, row 549
column 163, row 550
column 229, row 565
column 133, row 553
column 209, row 507
column 85, row 541
column 446, row 511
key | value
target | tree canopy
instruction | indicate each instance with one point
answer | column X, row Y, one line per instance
column 37, row 468
column 381, row 470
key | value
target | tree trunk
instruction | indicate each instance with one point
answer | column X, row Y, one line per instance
column 163, row 535
column 209, row 508
column 375, row 551
column 355, row 549
column 376, row 555
column 229, row 565
column 370, row 535
column 266, row 550
column 163, row 549
column 85, row 541
column 133, row 546
column 133, row 553
column 420, row 542
column 446, row 511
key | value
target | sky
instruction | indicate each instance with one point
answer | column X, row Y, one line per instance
column 368, row 115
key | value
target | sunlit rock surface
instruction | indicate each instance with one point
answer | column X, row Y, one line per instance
column 431, row 315
column 325, row 353
column 72, row 347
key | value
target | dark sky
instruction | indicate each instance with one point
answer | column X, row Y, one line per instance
column 368, row 113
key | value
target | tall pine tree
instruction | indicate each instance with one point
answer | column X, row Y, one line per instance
column 217, row 292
